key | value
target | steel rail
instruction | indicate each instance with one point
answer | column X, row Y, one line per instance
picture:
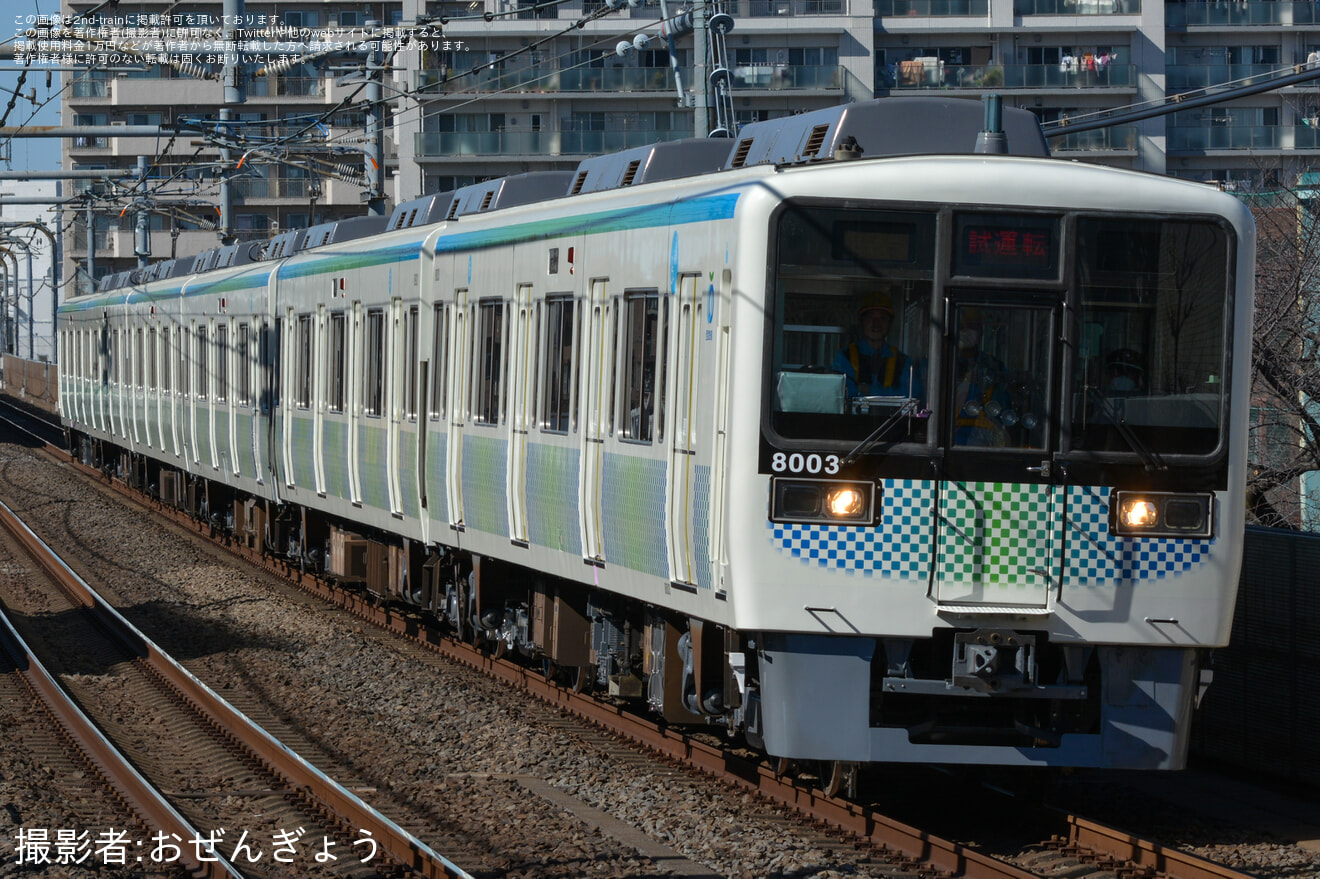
column 1132, row 849
column 917, row 846
column 404, row 848
column 137, row 793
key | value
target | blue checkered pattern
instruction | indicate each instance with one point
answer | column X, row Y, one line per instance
column 899, row 546
column 1095, row 556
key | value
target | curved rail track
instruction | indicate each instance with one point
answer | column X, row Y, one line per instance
column 71, row 737
column 200, row 737
column 1074, row 845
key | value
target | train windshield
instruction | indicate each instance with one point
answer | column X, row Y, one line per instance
column 1150, row 365
column 852, row 324
column 1143, row 303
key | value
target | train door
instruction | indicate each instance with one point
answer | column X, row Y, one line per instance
column 133, row 378
column 1000, row 512
column 197, row 396
column 169, row 375
column 119, row 364
column 457, row 374
column 268, row 359
column 288, row 327
column 320, row 359
column 356, row 385
column 104, row 355
column 229, row 384
column 679, row 493
column 522, row 366
column 180, row 390
column 597, row 382
column 395, row 367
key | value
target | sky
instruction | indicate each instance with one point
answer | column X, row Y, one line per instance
column 28, row 154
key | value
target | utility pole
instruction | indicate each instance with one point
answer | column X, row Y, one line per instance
column 235, row 93
column 142, row 219
column 91, row 246
column 702, row 120
column 374, row 158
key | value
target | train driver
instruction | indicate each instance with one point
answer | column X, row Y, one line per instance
column 873, row 367
column 980, row 395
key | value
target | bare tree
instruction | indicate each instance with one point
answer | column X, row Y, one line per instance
column 1285, row 363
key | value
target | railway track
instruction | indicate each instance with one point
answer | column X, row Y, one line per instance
column 1077, row 843
column 194, row 768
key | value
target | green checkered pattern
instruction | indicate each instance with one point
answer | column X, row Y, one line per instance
column 485, row 484
column 373, row 463
column 302, row 444
column 995, row 534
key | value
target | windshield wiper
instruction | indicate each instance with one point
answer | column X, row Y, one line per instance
column 907, row 408
column 1149, row 457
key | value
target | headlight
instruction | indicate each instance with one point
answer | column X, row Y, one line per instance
column 1163, row 514
column 844, row 502
column 822, row 500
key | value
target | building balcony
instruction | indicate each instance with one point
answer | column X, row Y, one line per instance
column 1220, row 13
column 1181, row 77
column 785, row 8
column 546, row 80
column 931, row 8
column 933, row 74
column 454, row 144
column 613, row 80
column 1243, row 137
column 1076, row 7
column 1118, row 138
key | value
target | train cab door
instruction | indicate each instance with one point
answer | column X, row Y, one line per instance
column 522, row 365
column 597, row 382
column 1000, row 517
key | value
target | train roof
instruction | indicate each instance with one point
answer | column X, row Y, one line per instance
column 652, row 163
column 421, row 211
column 900, row 126
column 509, row 192
column 888, row 127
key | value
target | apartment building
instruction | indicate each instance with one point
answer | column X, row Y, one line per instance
column 506, row 86
column 315, row 178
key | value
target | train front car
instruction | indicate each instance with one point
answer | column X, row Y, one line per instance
column 1002, row 446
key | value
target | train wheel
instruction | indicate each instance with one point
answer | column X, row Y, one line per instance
column 839, row 776
column 499, row 649
column 580, row 678
column 781, row 766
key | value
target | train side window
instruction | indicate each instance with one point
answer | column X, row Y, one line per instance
column 203, row 375
column 302, row 376
column 373, row 390
column 139, row 361
column 166, row 384
column 243, row 346
column 410, row 364
column 439, row 353
column 181, row 350
column 338, row 351
column 270, row 360
column 488, row 369
column 642, row 364
column 151, row 359
column 221, row 362
column 557, row 385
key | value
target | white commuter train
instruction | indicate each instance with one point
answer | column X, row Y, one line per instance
column 841, row 435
